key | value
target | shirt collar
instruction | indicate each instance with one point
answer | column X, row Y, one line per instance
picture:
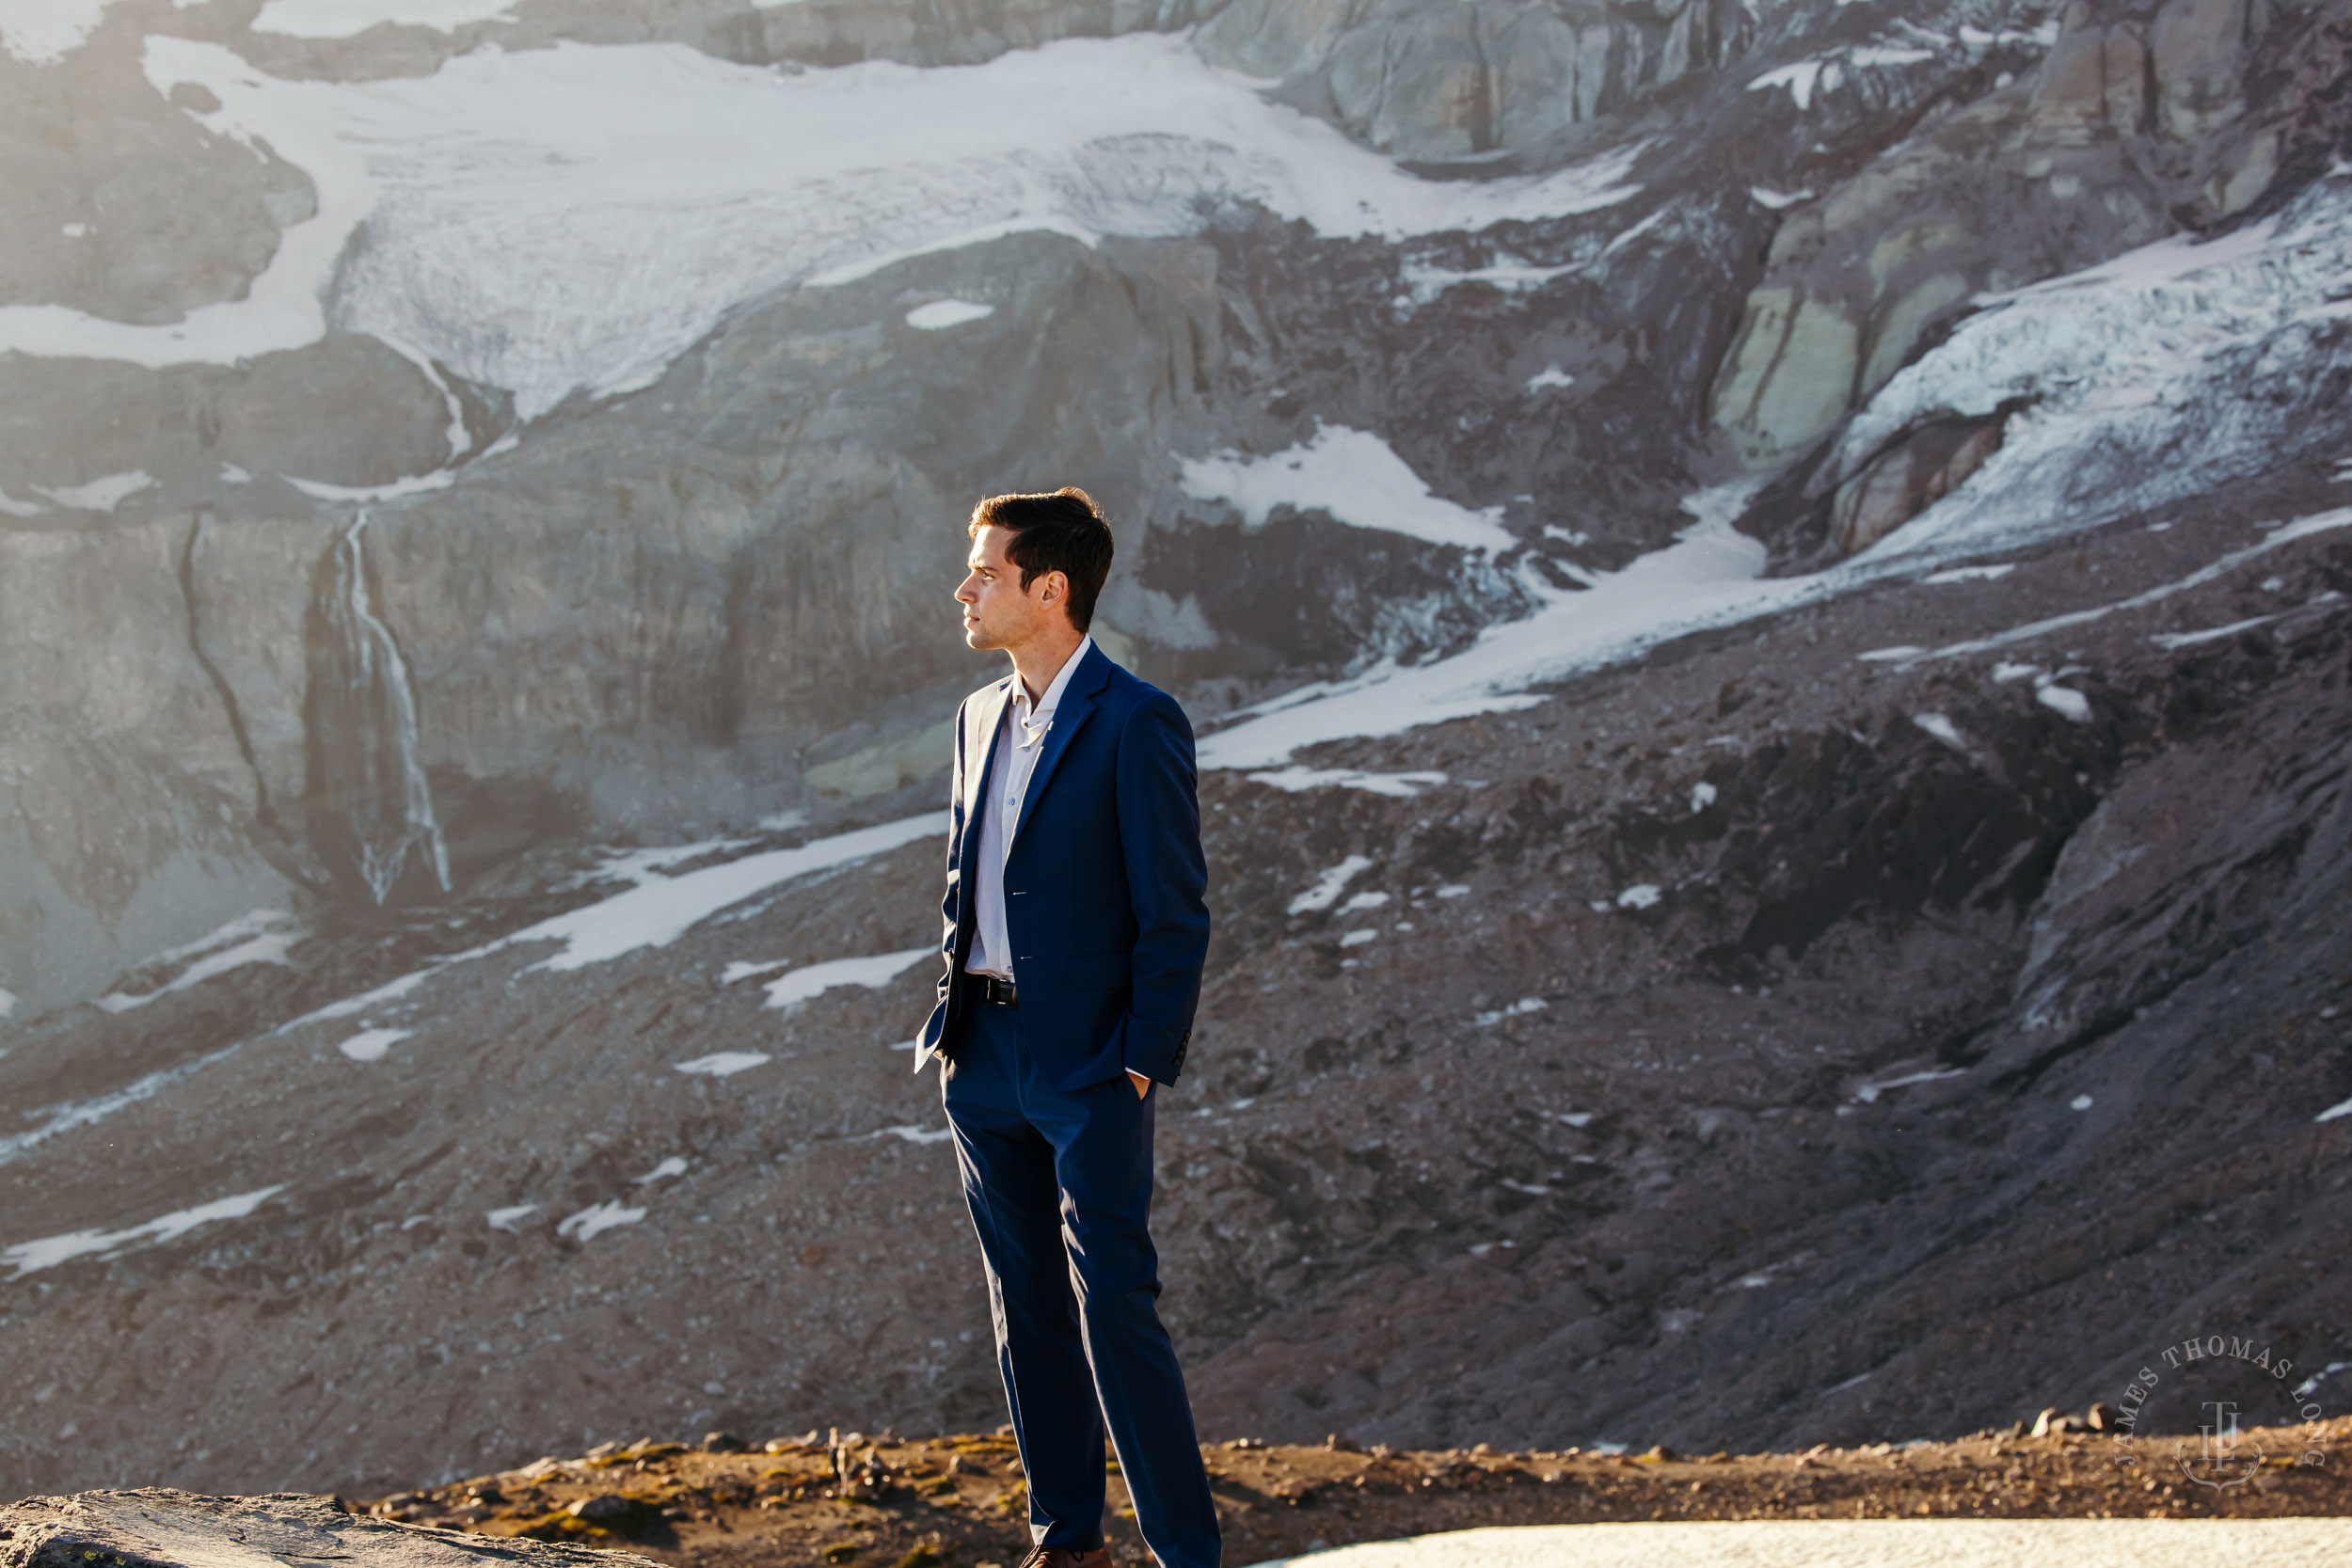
column 1035, row 717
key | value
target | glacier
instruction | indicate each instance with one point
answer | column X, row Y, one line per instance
column 632, row 193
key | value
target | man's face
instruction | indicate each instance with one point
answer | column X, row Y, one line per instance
column 997, row 612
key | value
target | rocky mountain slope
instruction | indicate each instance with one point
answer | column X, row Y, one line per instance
column 1764, row 590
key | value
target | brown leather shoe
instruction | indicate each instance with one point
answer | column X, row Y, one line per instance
column 1062, row 1557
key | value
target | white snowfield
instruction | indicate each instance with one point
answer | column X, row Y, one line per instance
column 635, row 191
column 2142, row 361
column 31, row 1257
column 42, row 32
column 1353, row 476
column 1863, row 1544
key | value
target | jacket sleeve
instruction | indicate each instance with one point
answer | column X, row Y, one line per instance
column 1167, row 881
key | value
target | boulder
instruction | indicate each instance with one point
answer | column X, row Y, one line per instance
column 161, row 1528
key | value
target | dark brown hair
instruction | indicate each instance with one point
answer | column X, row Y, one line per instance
column 1063, row 531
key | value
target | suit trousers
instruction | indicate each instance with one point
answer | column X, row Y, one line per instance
column 1059, row 1185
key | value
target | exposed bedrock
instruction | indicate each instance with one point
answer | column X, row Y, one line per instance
column 1433, row 83
column 2137, row 124
column 117, row 204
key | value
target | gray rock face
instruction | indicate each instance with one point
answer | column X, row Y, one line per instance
column 114, row 207
column 1860, row 278
column 158, row 1527
column 1434, row 83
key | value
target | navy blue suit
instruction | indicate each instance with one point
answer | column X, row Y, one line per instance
column 1105, row 901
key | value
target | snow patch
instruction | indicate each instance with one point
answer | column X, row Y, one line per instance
column 1401, row 786
column 671, row 1165
column 1827, row 72
column 42, row 32
column 1702, row 797
column 2068, row 702
column 913, row 1133
column 99, row 495
column 29, row 1256
column 1972, row 573
column 1425, row 282
column 1520, row 1008
column 415, row 484
column 1868, row 1094
column 723, row 1063
column 658, row 910
column 369, row 1045
column 597, row 1219
column 1640, row 895
column 2168, row 641
column 506, row 1219
column 256, row 937
column 941, row 313
column 1357, row 937
column 1801, row 79
column 873, row 973
column 1353, row 476
column 2332, row 1111
column 1330, row 885
column 1551, row 376
column 1942, row 728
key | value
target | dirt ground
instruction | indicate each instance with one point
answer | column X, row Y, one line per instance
column 960, row 1501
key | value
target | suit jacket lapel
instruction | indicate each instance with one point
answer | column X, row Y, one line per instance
column 1077, row 701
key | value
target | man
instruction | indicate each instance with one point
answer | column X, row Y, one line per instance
column 1076, row 927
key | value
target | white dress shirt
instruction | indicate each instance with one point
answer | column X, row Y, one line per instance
column 1000, row 812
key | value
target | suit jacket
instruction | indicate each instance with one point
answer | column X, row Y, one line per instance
column 1105, row 886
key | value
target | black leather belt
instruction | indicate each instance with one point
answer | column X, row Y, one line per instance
column 1002, row 992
